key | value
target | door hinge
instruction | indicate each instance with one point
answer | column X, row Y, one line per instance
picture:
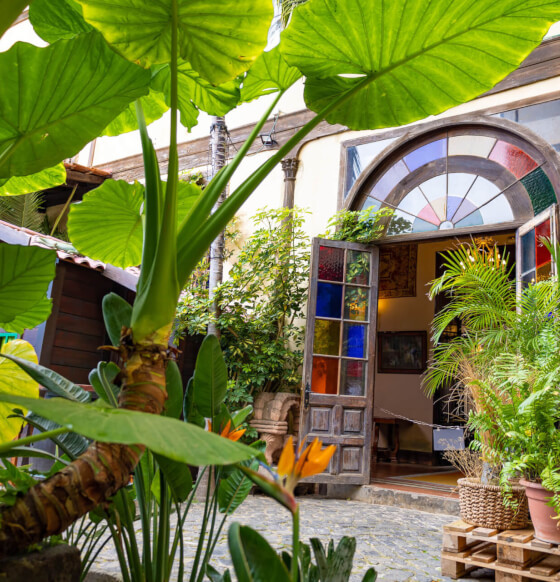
column 306, row 396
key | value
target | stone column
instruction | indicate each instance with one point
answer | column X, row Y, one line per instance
column 290, row 168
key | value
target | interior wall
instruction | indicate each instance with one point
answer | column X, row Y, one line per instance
column 403, row 394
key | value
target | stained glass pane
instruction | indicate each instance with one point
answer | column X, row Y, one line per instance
column 356, row 303
column 428, row 214
column 528, row 252
column 331, row 264
column 357, row 267
column 401, row 223
column 329, row 300
column 473, row 219
column 466, row 207
column 543, row 255
column 413, row 202
column 369, row 202
column 420, row 225
column 459, row 184
column 435, row 187
column 482, row 191
column 389, row 180
column 353, row 380
column 471, row 145
column 324, row 376
column 439, row 207
column 354, row 343
column 497, row 210
column 327, row 337
column 427, row 153
column 540, row 190
column 512, row 158
column 544, row 272
column 359, row 157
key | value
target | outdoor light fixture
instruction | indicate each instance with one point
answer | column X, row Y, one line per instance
column 268, row 138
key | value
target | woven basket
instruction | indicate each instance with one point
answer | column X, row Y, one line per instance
column 483, row 505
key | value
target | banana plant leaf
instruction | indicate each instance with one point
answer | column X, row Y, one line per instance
column 169, row 437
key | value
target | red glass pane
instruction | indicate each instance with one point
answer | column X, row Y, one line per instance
column 514, row 159
column 324, row 377
column 543, row 256
column 331, row 264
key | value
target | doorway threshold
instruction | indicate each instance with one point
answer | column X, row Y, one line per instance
column 404, row 496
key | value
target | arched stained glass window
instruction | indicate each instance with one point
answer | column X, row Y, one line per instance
column 467, row 176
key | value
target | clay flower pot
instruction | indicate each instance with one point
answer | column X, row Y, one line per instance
column 542, row 515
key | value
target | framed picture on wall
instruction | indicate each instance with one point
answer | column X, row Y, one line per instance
column 402, row 352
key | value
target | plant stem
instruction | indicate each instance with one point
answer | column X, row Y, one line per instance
column 4, row 448
column 295, row 544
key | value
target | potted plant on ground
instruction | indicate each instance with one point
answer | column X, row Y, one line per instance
column 483, row 297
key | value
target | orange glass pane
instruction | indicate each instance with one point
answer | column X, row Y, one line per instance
column 324, row 377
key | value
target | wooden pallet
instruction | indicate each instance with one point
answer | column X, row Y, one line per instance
column 514, row 555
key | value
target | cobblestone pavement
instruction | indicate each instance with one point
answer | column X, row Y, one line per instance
column 402, row 544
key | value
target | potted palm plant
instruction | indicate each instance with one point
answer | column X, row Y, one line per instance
column 483, row 297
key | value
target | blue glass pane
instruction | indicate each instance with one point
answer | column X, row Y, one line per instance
column 452, row 204
column 473, row 219
column 423, row 226
column 329, row 300
column 425, row 154
column 528, row 254
column 354, row 345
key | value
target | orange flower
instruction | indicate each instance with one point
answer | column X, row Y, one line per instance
column 313, row 460
column 232, row 435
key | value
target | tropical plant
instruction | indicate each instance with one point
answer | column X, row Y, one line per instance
column 109, row 61
column 260, row 306
column 507, row 360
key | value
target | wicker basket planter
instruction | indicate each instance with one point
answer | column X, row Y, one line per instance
column 483, row 506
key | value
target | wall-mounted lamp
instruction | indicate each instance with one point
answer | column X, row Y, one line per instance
column 268, row 138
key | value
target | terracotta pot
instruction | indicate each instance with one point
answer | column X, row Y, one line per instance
column 546, row 527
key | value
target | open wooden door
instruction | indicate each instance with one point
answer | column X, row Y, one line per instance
column 533, row 261
column 339, row 356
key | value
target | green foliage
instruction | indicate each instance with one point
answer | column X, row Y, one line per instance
column 260, row 304
column 42, row 180
column 14, row 481
column 509, row 358
column 361, row 226
column 400, row 70
column 24, row 279
column 23, row 210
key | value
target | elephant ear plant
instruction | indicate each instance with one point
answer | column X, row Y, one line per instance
column 367, row 65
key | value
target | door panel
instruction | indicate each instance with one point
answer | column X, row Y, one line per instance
column 339, row 351
column 533, row 260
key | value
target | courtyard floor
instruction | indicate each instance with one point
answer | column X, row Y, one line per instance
column 401, row 544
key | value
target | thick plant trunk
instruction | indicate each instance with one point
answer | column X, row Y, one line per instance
column 51, row 506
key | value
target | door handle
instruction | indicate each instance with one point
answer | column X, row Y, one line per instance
column 306, row 396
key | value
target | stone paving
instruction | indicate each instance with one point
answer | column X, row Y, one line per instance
column 401, row 544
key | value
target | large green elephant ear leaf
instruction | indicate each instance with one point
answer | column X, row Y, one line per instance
column 54, row 20
column 25, row 274
column 56, row 99
column 406, row 59
column 107, row 224
column 195, row 92
column 48, row 178
column 270, row 74
column 30, row 318
column 219, row 39
column 13, row 380
column 153, row 106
